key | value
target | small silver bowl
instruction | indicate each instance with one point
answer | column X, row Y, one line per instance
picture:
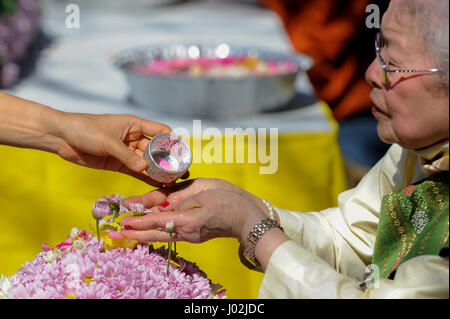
column 168, row 158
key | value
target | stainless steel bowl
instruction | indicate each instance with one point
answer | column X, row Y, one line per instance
column 209, row 96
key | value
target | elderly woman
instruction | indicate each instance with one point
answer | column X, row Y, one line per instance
column 395, row 220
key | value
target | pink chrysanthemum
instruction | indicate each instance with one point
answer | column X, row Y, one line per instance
column 113, row 267
column 92, row 272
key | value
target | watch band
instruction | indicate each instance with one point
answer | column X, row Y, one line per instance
column 254, row 236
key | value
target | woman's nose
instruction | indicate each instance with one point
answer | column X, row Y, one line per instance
column 373, row 75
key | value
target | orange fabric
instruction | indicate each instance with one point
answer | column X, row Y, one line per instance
column 334, row 34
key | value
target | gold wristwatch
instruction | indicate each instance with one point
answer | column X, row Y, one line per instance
column 248, row 250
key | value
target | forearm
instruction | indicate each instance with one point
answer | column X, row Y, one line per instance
column 28, row 124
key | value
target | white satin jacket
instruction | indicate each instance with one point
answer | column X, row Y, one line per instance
column 329, row 250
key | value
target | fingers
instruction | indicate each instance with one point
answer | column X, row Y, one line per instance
column 155, row 221
column 142, row 144
column 129, row 158
column 177, row 194
column 150, row 199
column 166, row 198
column 138, row 164
column 147, row 235
column 186, row 175
column 192, row 202
column 151, row 128
column 152, row 227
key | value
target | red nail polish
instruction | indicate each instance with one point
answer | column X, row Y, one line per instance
column 127, row 227
column 165, row 204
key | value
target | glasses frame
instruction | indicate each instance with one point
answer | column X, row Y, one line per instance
column 386, row 70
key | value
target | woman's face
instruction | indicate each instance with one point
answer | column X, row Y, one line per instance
column 411, row 109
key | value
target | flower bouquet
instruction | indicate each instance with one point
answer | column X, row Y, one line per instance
column 103, row 264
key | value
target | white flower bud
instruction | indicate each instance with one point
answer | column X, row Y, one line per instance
column 74, row 232
column 170, row 226
column 5, row 286
column 79, row 244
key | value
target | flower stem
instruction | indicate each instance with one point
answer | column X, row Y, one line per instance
column 98, row 232
column 170, row 253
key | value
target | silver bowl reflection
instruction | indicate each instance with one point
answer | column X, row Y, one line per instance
column 209, row 96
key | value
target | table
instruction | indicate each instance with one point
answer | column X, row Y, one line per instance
column 43, row 197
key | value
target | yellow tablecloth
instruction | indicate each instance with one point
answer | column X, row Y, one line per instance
column 42, row 197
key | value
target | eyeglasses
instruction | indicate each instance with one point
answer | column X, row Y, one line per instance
column 379, row 45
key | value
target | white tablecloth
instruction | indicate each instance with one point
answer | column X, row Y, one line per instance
column 75, row 72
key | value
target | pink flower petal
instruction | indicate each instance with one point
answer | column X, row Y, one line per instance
column 65, row 244
column 84, row 234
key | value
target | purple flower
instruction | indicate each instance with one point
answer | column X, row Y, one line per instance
column 139, row 209
column 113, row 205
column 100, row 211
column 114, row 202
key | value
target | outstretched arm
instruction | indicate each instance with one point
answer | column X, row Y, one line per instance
column 110, row 142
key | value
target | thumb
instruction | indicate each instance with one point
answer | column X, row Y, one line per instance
column 129, row 158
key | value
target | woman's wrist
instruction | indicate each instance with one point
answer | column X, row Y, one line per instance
column 267, row 245
column 48, row 133
column 259, row 242
column 52, row 129
column 250, row 216
column 263, row 205
column 28, row 124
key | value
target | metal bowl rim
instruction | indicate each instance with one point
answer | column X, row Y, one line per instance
column 163, row 169
column 118, row 61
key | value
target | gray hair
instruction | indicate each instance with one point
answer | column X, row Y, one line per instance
column 431, row 19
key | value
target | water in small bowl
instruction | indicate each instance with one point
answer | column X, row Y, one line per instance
column 165, row 160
